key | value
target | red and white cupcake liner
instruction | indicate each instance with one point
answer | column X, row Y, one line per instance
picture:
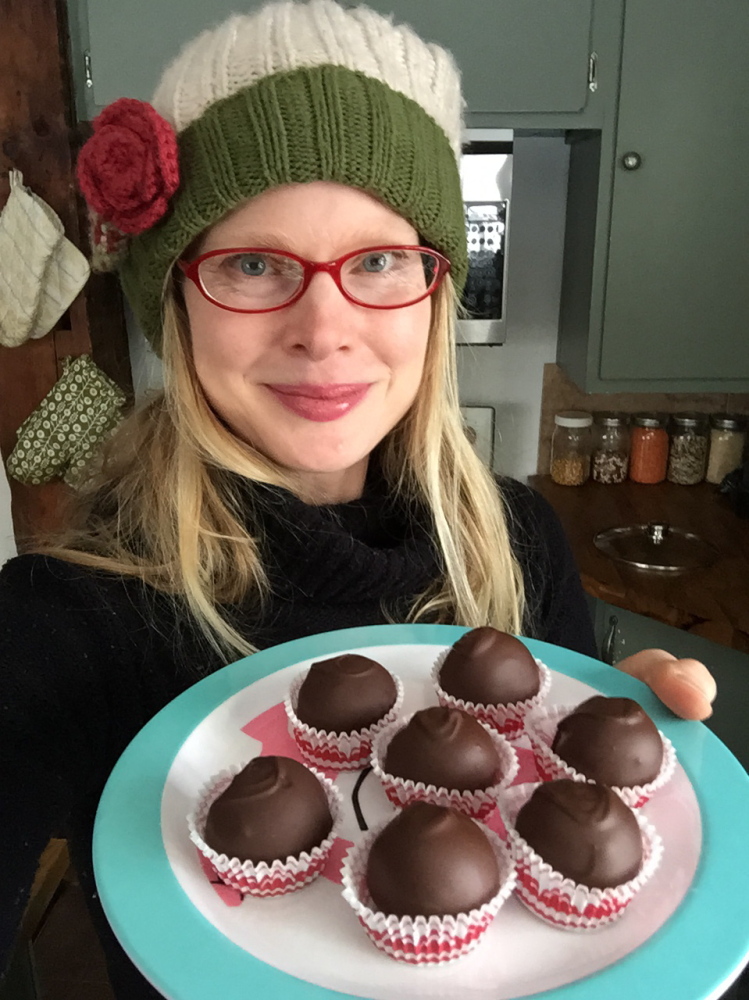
column 477, row 804
column 336, row 751
column 263, row 879
column 561, row 901
column 508, row 720
column 422, row 940
column 542, row 729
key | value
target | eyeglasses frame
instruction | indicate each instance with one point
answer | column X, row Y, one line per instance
column 191, row 270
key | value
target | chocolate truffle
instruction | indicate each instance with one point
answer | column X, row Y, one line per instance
column 445, row 747
column 489, row 667
column 584, row 831
column 431, row 861
column 345, row 693
column 274, row 808
column 611, row 740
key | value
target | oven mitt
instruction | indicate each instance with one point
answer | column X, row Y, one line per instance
column 65, row 431
column 41, row 272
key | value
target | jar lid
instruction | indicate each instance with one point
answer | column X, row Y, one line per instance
column 688, row 419
column 728, row 421
column 573, row 418
column 609, row 418
column 649, row 420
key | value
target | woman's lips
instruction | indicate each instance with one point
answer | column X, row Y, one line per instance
column 320, row 402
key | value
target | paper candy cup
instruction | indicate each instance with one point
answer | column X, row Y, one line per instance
column 477, row 804
column 542, row 728
column 422, row 940
column 560, row 901
column 508, row 720
column 336, row 751
column 262, row 879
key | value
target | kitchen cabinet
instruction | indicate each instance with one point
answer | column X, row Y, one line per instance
column 655, row 294
column 528, row 59
column 620, row 633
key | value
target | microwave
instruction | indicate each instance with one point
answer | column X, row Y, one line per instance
column 486, row 185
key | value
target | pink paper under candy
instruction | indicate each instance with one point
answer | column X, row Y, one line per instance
column 542, row 728
column 508, row 720
column 262, row 879
column 477, row 804
column 560, row 901
column 422, row 940
column 336, row 751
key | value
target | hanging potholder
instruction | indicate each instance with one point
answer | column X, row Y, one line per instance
column 41, row 271
column 67, row 428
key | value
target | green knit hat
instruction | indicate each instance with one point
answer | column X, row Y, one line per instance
column 289, row 94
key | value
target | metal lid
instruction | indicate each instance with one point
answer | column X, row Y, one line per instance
column 608, row 418
column 649, row 420
column 573, row 418
column 657, row 546
column 688, row 419
column 728, row 421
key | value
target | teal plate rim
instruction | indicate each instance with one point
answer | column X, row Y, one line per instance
column 701, row 947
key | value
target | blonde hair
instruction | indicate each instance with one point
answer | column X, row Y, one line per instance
column 163, row 509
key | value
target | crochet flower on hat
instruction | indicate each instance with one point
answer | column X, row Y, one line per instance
column 129, row 168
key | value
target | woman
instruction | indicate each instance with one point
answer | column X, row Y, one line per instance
column 294, row 254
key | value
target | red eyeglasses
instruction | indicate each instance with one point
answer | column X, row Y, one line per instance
column 257, row 279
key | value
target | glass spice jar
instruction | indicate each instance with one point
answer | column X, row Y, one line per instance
column 610, row 448
column 570, row 448
column 687, row 457
column 727, row 436
column 648, row 455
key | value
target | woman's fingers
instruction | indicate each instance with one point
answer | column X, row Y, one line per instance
column 686, row 686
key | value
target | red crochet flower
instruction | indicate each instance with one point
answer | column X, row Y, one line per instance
column 128, row 170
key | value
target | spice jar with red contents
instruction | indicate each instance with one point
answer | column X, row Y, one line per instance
column 648, row 456
column 570, row 448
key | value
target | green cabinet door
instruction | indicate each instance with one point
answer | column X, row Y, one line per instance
column 677, row 294
column 516, row 56
column 655, row 289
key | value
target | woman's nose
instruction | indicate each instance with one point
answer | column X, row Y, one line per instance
column 323, row 320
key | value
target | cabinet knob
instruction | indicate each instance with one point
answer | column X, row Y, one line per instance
column 631, row 161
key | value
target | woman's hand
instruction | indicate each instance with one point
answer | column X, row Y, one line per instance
column 686, row 686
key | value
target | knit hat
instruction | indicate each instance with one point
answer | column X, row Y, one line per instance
column 291, row 93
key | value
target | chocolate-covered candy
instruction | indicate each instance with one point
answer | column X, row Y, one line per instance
column 489, row 667
column 611, row 740
column 445, row 747
column 274, row 808
column 584, row 831
column 345, row 693
column 431, row 861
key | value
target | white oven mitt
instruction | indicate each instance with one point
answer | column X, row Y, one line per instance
column 41, row 272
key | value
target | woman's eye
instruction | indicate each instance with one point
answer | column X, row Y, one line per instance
column 376, row 262
column 250, row 264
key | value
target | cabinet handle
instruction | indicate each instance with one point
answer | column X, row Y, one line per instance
column 608, row 648
column 631, row 161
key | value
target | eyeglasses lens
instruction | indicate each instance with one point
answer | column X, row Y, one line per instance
column 260, row 280
column 392, row 277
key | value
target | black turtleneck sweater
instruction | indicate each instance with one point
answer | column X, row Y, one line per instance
column 86, row 659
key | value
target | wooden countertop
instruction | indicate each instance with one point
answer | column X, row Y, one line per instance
column 711, row 602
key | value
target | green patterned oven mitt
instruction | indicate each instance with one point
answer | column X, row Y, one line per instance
column 65, row 431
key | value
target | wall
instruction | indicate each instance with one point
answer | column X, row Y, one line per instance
column 509, row 377
column 7, row 544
